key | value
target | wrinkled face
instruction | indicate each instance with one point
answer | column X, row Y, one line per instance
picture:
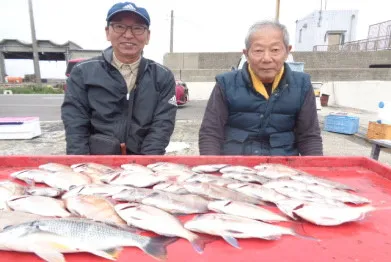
column 127, row 46
column 267, row 53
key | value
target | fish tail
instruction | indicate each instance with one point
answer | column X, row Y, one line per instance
column 295, row 232
column 157, row 247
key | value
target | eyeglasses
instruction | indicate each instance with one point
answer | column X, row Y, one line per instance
column 135, row 29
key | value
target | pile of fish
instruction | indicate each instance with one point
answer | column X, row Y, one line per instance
column 99, row 209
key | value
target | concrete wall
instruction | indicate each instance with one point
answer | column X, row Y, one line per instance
column 363, row 95
column 201, row 60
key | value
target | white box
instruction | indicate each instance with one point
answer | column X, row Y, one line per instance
column 19, row 127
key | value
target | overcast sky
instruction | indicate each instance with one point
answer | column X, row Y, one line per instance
column 199, row 26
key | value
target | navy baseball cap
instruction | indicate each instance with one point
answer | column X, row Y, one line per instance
column 128, row 7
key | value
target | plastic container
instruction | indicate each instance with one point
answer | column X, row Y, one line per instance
column 341, row 123
column 384, row 112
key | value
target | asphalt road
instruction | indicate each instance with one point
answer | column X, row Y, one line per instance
column 47, row 107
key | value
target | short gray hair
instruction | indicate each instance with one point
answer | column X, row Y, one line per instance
column 259, row 25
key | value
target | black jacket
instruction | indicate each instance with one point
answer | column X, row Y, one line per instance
column 96, row 104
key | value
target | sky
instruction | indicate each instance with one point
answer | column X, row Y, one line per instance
column 199, row 26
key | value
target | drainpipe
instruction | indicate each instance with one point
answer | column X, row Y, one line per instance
column 351, row 27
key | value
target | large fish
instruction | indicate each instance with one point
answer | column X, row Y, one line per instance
column 49, row 238
column 66, row 180
column 39, row 205
column 218, row 192
column 262, row 193
column 145, row 217
column 208, row 168
column 136, row 179
column 97, row 208
column 230, row 227
column 55, row 167
column 307, row 196
column 309, row 179
column 96, row 189
column 328, row 215
column 245, row 210
column 31, row 175
column 338, row 195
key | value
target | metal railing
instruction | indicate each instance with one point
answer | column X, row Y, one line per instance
column 370, row 44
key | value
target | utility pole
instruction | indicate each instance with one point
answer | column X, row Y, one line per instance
column 172, row 32
column 277, row 10
column 35, row 47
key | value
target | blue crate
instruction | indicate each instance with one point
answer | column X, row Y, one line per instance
column 343, row 124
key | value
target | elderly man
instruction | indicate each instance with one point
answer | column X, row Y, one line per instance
column 264, row 108
column 120, row 102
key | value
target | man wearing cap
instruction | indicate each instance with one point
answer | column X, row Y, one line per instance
column 120, row 102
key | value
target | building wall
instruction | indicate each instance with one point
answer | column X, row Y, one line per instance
column 315, row 26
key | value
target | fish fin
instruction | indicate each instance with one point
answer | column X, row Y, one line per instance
column 112, row 253
column 199, row 242
column 296, row 233
column 49, row 255
column 232, row 241
column 156, row 247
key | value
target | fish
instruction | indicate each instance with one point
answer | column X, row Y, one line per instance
column 44, row 191
column 160, row 166
column 133, row 179
column 309, row 179
column 251, row 178
column 39, row 205
column 97, row 208
column 171, row 187
column 338, row 195
column 238, row 169
column 287, row 206
column 28, row 175
column 208, row 168
column 230, row 227
column 244, row 209
column 7, row 190
column 137, row 168
column 258, row 191
column 55, row 167
column 176, row 175
column 328, row 215
column 99, row 167
column 217, row 192
column 9, row 218
column 172, row 203
column 277, row 168
column 279, row 183
column 145, row 217
column 50, row 238
column 307, row 196
column 210, row 179
column 106, row 190
column 66, row 180
column 94, row 174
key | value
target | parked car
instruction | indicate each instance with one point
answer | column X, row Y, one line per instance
column 181, row 89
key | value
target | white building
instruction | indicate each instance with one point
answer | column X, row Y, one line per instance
column 325, row 27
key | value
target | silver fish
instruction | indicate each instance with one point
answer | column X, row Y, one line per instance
column 309, row 179
column 308, row 196
column 251, row 178
column 99, row 167
column 133, row 194
column 178, row 175
column 44, row 191
column 97, row 208
column 231, row 227
column 338, row 195
column 328, row 215
column 50, row 238
column 145, row 217
column 55, row 167
column 133, row 179
column 66, row 180
column 160, row 166
column 279, row 183
column 210, row 179
column 262, row 193
column 171, row 187
column 9, row 189
column 208, row 168
column 277, row 168
column 238, row 169
column 287, row 206
column 96, row 189
column 28, row 175
column 217, row 192
column 39, row 205
column 243, row 209
column 137, row 168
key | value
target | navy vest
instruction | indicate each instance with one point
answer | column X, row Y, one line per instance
column 257, row 126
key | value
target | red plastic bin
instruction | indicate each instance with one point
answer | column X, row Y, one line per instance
column 367, row 240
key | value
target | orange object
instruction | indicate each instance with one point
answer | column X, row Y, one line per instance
column 379, row 131
column 13, row 79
